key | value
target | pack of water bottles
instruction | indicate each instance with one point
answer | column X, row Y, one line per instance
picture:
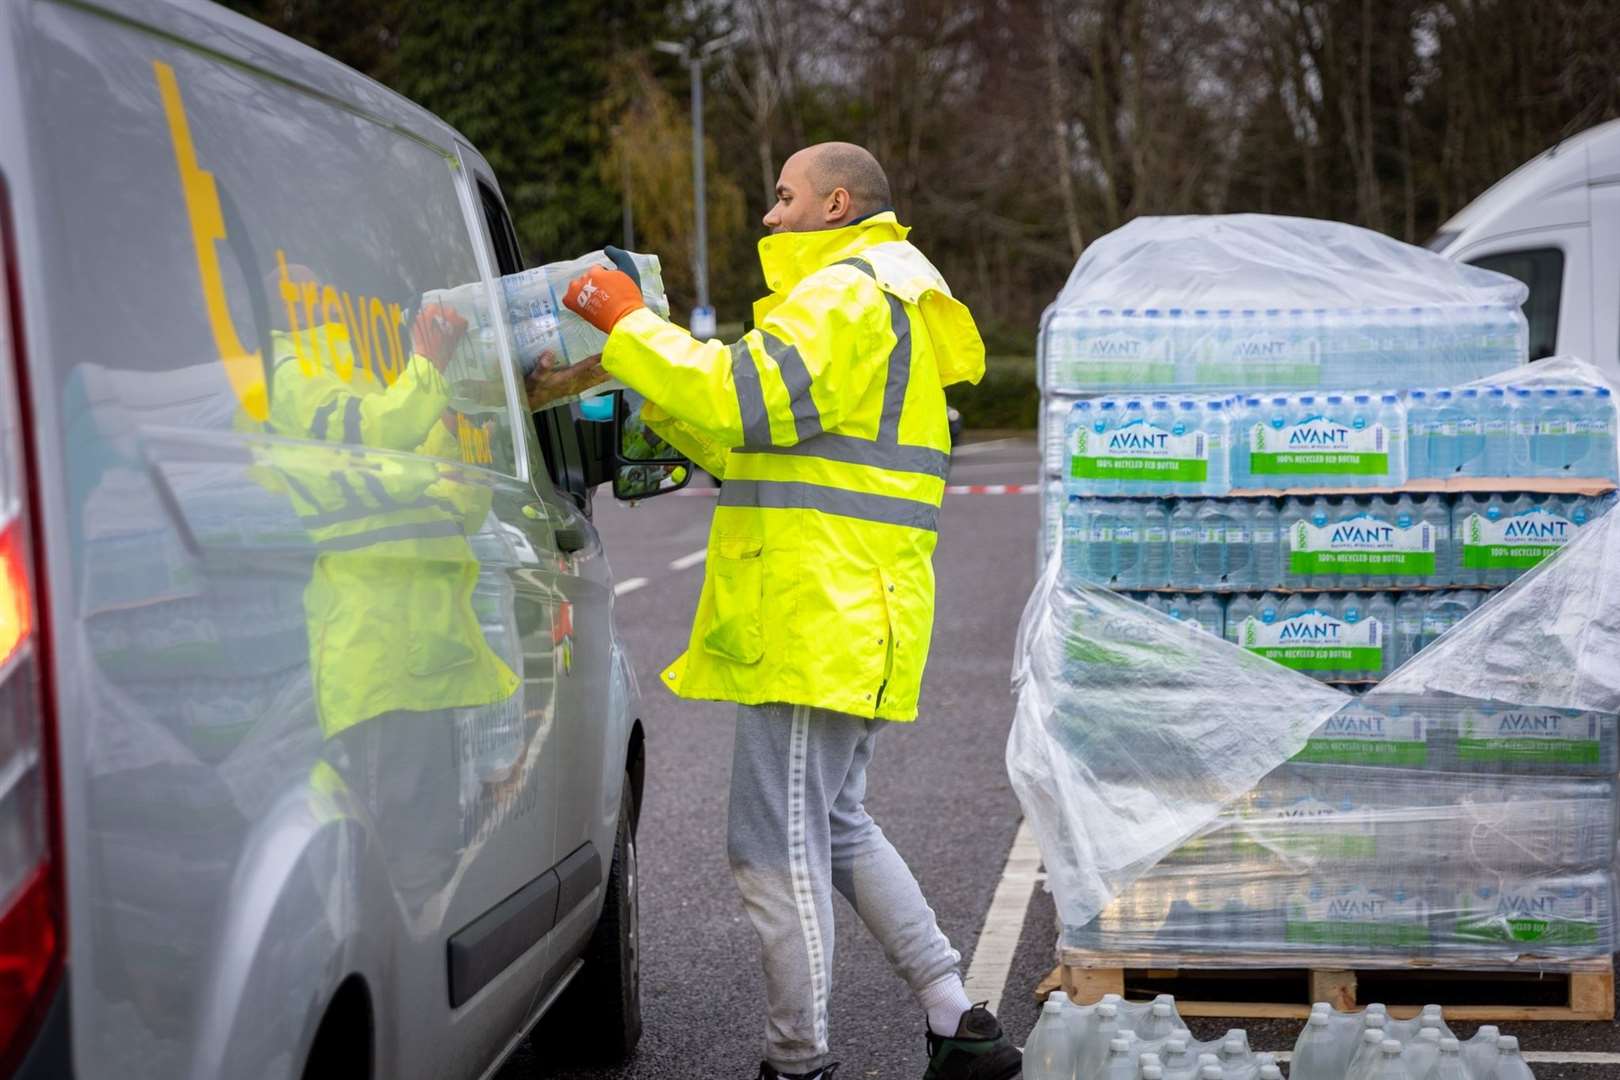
column 1249, row 301
column 1327, row 542
column 543, row 333
column 1115, row 1039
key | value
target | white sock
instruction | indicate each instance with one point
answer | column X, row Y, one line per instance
column 945, row 1001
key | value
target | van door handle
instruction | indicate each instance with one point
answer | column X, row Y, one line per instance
column 570, row 540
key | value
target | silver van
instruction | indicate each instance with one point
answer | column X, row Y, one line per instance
column 319, row 754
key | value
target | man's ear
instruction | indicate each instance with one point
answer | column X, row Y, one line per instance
column 838, row 204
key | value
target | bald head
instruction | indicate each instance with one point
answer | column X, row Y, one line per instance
column 826, row 186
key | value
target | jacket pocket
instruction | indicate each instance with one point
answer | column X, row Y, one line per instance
column 737, row 631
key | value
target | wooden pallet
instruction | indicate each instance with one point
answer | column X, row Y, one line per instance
column 1277, row 987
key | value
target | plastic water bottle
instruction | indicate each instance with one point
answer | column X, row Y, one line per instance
column 1238, row 609
column 1237, row 1063
column 1450, row 1065
column 1150, row 1068
column 1390, row 1066
column 1351, row 613
column 1279, row 414
column 1497, row 427
column 1392, row 414
column 1265, row 566
column 1294, row 510
column 1179, row 1061
column 1509, row 1065
column 1555, row 426
column 1521, row 431
column 1366, row 1056
column 1155, row 545
column 1210, row 1072
column 1431, row 1016
column 1101, row 554
column 1217, row 437
column 1239, row 544
column 1434, row 512
column 1403, row 515
column 1381, row 607
column 1322, row 511
column 1271, row 1071
column 1385, row 509
column 1361, row 414
column 1422, row 1053
column 1244, row 420
column 1159, row 1022
column 1408, row 637
column 1444, row 457
column 1089, row 1058
column 1183, row 542
column 1601, row 434
column 1106, row 421
column 1316, row 1052
column 1479, row 1053
column 1209, row 560
column 1470, row 431
column 1332, row 408
column 1580, row 435
column 1127, row 544
column 1049, row 1052
column 1419, row 425
column 1120, row 1063
column 1207, row 611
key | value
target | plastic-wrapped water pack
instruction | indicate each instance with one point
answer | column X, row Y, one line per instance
column 544, row 335
column 1191, row 797
column 1250, row 301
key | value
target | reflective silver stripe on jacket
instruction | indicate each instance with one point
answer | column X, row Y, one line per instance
column 750, row 396
column 796, row 377
column 861, row 505
column 853, row 450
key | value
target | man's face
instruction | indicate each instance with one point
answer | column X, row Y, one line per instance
column 798, row 208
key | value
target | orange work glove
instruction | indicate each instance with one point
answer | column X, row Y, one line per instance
column 602, row 297
column 436, row 333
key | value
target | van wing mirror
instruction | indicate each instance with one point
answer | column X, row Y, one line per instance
column 644, row 464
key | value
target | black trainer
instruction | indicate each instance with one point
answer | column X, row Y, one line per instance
column 823, row 1073
column 979, row 1050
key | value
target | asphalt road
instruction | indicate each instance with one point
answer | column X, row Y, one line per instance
column 938, row 788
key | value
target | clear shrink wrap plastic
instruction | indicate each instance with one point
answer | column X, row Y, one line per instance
column 542, row 334
column 1250, row 301
column 1188, row 796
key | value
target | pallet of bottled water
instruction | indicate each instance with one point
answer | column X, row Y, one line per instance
column 1251, row 302
column 1116, row 1039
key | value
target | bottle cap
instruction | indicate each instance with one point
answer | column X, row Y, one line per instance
column 1119, row 1046
column 1107, row 1010
column 1318, row 1019
column 1390, row 1046
column 1152, row 1072
column 1430, row 1034
column 1507, row 1042
column 1052, row 1006
column 1209, row 1059
column 1372, row 1035
column 1450, row 1046
column 1161, row 1008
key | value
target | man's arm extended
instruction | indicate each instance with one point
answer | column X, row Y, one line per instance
column 796, row 375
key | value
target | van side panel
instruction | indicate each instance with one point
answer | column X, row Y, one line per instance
column 312, row 662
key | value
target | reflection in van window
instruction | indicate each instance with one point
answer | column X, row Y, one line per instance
column 1542, row 270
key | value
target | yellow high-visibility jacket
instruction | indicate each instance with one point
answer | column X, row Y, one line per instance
column 827, row 427
column 389, row 604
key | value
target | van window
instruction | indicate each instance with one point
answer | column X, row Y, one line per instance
column 267, row 248
column 1542, row 270
column 554, row 426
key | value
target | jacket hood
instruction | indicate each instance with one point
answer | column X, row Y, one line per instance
column 899, row 269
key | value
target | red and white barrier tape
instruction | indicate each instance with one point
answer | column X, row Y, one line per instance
column 951, row 489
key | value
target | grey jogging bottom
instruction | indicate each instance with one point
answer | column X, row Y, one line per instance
column 797, row 829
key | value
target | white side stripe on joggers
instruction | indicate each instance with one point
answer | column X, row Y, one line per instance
column 804, row 898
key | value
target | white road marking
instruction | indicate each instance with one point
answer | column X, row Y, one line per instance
column 628, row 585
column 970, row 449
column 1004, row 922
column 688, row 560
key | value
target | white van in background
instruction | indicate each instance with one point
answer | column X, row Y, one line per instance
column 1554, row 223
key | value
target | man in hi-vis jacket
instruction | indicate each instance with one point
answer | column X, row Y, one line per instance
column 827, row 428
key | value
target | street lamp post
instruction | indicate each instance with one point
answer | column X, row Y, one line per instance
column 703, row 320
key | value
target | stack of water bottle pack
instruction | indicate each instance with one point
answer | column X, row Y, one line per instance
column 1125, row 1040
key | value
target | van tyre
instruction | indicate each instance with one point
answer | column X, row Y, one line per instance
column 598, row 1018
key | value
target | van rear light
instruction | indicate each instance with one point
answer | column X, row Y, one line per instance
column 31, row 923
